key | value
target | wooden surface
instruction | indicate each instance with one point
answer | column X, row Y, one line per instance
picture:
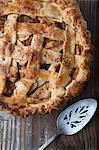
column 30, row 133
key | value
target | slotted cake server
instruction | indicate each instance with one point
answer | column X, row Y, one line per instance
column 73, row 118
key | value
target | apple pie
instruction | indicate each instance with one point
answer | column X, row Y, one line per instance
column 45, row 52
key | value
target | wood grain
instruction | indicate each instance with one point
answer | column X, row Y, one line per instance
column 32, row 132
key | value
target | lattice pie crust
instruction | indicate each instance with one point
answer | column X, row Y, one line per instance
column 45, row 52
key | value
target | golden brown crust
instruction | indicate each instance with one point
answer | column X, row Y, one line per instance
column 45, row 58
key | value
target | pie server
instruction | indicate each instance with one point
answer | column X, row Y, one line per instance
column 74, row 118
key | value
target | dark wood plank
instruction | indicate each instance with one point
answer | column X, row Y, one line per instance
column 30, row 133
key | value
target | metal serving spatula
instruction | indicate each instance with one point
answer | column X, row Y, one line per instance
column 74, row 118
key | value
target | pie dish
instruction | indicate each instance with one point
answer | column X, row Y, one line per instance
column 45, row 52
